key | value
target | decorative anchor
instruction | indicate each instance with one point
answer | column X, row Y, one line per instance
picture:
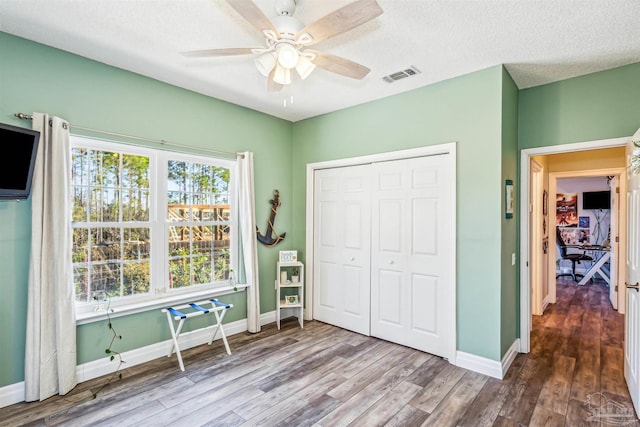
column 268, row 239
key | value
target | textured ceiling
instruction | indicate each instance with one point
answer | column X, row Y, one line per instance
column 539, row 41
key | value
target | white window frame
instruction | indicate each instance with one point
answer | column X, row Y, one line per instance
column 160, row 295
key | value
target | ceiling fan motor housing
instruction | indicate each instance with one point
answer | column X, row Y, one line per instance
column 287, row 26
column 285, row 7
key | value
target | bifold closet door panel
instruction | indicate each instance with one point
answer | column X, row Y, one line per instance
column 341, row 276
column 410, row 232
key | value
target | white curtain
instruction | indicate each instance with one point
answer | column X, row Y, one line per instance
column 249, row 242
column 50, row 353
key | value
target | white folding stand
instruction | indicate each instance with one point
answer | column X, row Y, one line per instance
column 219, row 309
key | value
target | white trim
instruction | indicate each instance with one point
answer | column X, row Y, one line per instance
column 104, row 366
column 546, row 302
column 525, row 288
column 509, row 357
column 11, row 394
column 447, row 149
column 14, row 393
column 266, row 318
column 489, row 367
column 95, row 316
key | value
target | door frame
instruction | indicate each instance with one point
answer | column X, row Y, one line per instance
column 525, row 203
column 448, row 149
column 536, row 186
column 618, row 254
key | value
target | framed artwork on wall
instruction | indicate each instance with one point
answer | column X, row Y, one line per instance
column 567, row 209
column 583, row 222
column 508, row 201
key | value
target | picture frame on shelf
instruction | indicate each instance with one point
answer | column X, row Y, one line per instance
column 288, row 256
column 291, row 300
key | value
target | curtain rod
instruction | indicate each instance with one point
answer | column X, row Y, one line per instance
column 24, row 116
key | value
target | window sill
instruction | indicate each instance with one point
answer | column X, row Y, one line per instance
column 126, row 310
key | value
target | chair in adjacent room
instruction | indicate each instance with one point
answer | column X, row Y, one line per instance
column 574, row 257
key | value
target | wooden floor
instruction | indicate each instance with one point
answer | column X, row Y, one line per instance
column 326, row 376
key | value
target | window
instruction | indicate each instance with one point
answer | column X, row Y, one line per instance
column 149, row 224
column 199, row 232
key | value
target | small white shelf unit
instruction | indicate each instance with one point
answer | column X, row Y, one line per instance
column 289, row 288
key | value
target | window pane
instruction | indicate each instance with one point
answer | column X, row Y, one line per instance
column 179, row 241
column 107, row 169
column 135, row 205
column 80, row 166
column 179, row 212
column 81, row 283
column 222, row 251
column 178, row 179
column 135, row 171
column 80, row 248
column 202, row 269
column 179, row 272
column 80, row 204
column 136, row 278
column 110, row 204
column 136, row 243
column 106, row 277
column 105, row 244
column 203, row 240
column 95, row 206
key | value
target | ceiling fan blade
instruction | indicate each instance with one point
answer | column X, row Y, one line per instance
column 252, row 13
column 339, row 65
column 342, row 20
column 218, row 52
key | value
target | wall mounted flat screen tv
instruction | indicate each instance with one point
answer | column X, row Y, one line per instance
column 596, row 200
column 20, row 146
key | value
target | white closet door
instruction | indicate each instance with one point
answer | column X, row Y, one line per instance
column 411, row 231
column 342, row 247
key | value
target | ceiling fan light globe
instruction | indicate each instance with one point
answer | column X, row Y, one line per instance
column 282, row 75
column 288, row 56
column 304, row 67
column 265, row 63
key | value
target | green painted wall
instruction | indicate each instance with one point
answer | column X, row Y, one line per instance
column 38, row 78
column 509, row 307
column 596, row 106
column 478, row 111
column 466, row 110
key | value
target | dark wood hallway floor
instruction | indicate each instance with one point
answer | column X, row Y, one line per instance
column 574, row 374
column 327, row 376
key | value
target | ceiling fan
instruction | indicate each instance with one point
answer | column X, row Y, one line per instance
column 287, row 40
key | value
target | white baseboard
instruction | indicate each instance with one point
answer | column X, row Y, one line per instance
column 509, row 356
column 485, row 366
column 546, row 302
column 104, row 366
column 14, row 393
column 269, row 317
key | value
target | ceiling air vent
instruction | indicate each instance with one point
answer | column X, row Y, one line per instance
column 399, row 75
